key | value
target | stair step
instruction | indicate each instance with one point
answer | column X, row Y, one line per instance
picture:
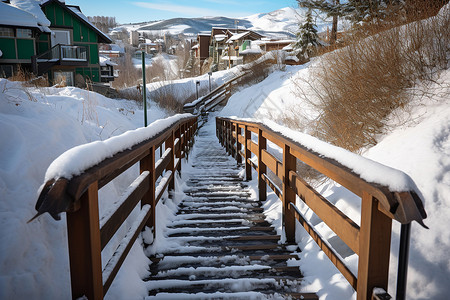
column 205, row 273
column 170, row 262
column 234, row 296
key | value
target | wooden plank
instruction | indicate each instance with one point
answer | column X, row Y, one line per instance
column 340, row 265
column 342, row 225
column 272, row 163
column 375, row 243
column 163, row 163
column 256, row 238
column 289, row 165
column 252, row 146
column 273, row 138
column 78, row 184
column 123, row 254
column 123, row 211
column 344, row 176
column 83, row 234
column 262, row 169
column 248, row 154
column 148, row 164
column 253, row 128
column 164, row 187
column 273, row 186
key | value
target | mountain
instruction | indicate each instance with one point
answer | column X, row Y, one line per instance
column 279, row 23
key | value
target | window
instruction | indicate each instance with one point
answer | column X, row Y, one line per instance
column 5, row 31
column 24, row 33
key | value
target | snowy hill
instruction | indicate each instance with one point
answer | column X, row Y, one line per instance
column 279, row 23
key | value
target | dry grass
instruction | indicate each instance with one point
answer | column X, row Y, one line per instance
column 357, row 87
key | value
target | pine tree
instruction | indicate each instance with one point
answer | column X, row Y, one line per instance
column 307, row 38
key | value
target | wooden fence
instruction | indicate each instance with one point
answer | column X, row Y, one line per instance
column 370, row 240
column 78, row 197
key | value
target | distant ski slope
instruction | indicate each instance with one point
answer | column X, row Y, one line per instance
column 282, row 23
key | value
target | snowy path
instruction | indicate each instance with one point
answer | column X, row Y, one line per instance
column 225, row 247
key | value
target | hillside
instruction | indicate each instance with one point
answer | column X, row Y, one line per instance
column 279, row 23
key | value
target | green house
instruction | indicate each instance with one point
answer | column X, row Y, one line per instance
column 60, row 43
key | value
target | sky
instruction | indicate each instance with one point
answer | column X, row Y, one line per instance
column 132, row 11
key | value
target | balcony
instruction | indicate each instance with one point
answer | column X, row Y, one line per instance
column 64, row 55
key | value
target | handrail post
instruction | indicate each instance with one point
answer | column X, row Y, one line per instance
column 238, row 144
column 262, row 186
column 83, row 232
column 374, row 248
column 233, row 140
column 248, row 153
column 148, row 164
column 178, row 150
column 403, row 257
column 289, row 164
column 170, row 166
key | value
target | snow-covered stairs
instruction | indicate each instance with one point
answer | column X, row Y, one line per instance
column 227, row 249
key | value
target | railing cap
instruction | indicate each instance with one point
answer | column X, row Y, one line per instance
column 395, row 190
column 81, row 164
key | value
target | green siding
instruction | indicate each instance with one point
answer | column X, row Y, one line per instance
column 25, row 48
column 95, row 74
column 50, row 13
column 93, row 54
column 44, row 37
column 59, row 12
column 8, row 47
column 67, row 19
column 92, row 36
column 76, row 31
column 84, row 33
column 42, row 47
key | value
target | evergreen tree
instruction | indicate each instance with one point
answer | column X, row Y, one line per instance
column 307, row 38
column 357, row 11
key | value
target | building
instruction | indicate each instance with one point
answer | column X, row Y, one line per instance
column 51, row 38
column 237, row 44
column 217, row 45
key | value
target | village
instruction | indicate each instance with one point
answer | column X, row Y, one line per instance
column 224, row 150
column 57, row 40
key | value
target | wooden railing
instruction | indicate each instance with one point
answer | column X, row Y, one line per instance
column 217, row 96
column 379, row 206
column 78, row 197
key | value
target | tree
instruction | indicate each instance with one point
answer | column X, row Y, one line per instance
column 356, row 11
column 307, row 37
column 332, row 9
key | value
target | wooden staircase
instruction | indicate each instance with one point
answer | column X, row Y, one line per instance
column 227, row 248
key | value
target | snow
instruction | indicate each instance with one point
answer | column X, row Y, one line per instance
column 41, row 124
column 17, row 15
column 78, row 159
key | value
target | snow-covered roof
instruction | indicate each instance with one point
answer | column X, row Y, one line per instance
column 105, row 61
column 25, row 13
column 238, row 36
column 195, row 46
column 256, row 50
column 220, row 37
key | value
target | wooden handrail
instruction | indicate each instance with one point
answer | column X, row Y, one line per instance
column 209, row 100
column 78, row 198
column 379, row 205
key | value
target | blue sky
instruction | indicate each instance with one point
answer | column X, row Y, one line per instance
column 127, row 11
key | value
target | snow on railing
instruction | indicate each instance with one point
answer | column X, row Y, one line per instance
column 386, row 194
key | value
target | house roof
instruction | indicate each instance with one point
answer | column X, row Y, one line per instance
column 24, row 13
column 76, row 12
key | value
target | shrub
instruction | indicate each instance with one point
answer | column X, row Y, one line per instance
column 358, row 86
